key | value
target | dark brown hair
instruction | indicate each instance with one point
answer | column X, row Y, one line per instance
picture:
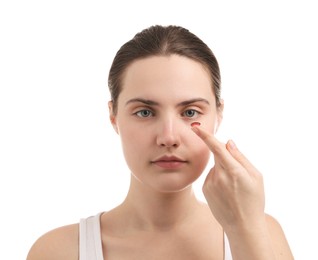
column 162, row 41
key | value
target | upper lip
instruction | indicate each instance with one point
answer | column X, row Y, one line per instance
column 168, row 158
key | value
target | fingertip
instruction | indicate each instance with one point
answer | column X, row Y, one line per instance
column 231, row 145
column 206, row 137
column 195, row 128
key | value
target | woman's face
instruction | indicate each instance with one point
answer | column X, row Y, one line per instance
column 161, row 97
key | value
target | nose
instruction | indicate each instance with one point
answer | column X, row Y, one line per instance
column 168, row 134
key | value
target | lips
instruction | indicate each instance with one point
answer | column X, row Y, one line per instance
column 169, row 162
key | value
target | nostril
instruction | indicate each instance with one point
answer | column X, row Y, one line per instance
column 166, row 144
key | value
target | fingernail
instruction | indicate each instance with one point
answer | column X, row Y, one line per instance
column 232, row 144
column 195, row 124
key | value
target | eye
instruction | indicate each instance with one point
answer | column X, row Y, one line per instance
column 144, row 113
column 190, row 113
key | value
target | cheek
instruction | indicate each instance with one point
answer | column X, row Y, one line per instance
column 199, row 150
column 135, row 144
column 201, row 154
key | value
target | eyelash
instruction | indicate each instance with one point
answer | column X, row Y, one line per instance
column 151, row 113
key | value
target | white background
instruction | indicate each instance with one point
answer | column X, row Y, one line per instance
column 60, row 160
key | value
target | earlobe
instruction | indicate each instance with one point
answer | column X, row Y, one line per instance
column 112, row 116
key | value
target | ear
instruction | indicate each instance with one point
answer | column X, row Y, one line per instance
column 112, row 116
column 219, row 115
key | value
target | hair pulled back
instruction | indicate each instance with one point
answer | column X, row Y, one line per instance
column 162, row 41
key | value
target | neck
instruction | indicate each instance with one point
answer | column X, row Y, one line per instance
column 154, row 210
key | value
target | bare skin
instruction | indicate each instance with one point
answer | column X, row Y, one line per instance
column 177, row 243
column 161, row 217
column 252, row 233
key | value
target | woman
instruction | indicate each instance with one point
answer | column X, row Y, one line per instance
column 166, row 107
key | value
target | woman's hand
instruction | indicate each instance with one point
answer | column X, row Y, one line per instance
column 233, row 188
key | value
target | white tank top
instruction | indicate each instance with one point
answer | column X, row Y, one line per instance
column 90, row 242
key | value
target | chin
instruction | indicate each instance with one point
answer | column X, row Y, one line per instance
column 173, row 184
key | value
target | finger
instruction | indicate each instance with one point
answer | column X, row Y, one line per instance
column 218, row 149
column 239, row 156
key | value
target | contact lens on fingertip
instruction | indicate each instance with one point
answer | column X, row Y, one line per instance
column 195, row 124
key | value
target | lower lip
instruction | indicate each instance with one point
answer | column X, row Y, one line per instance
column 169, row 164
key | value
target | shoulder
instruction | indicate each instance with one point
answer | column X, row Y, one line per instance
column 278, row 238
column 60, row 243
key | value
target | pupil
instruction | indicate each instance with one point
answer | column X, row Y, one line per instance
column 190, row 113
column 145, row 113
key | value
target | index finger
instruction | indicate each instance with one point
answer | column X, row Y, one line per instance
column 217, row 148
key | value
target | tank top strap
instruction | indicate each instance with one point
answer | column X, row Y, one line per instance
column 227, row 249
column 90, row 242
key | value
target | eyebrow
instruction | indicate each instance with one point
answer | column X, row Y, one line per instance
column 142, row 100
column 193, row 100
column 154, row 103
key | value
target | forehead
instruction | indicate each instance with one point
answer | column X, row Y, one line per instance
column 166, row 76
